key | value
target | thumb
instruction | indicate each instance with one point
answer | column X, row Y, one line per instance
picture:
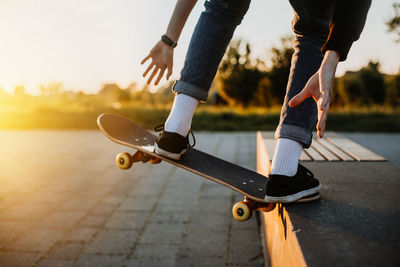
column 306, row 92
column 299, row 98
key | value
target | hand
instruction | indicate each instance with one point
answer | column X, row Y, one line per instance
column 319, row 87
column 161, row 58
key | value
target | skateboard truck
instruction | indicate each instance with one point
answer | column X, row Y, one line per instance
column 125, row 160
column 243, row 210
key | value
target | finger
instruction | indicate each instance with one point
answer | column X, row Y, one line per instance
column 148, row 69
column 169, row 72
column 160, row 75
column 321, row 125
column 152, row 75
column 145, row 59
column 305, row 93
column 299, row 98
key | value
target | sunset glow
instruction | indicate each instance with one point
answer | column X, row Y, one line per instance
column 84, row 44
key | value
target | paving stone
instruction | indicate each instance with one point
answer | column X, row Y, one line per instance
column 243, row 254
column 25, row 212
column 206, row 222
column 102, row 209
column 80, row 234
column 204, row 244
column 112, row 241
column 48, row 197
column 9, row 230
column 93, row 220
column 183, row 208
column 163, row 252
column 78, row 204
column 170, row 217
column 105, row 207
column 127, row 220
column 48, row 262
column 65, row 250
column 215, row 190
column 37, row 240
column 18, row 259
column 137, row 204
column 95, row 191
column 199, row 261
column 90, row 260
column 62, row 219
column 214, row 205
column 112, row 199
column 247, row 226
column 147, row 262
column 155, row 233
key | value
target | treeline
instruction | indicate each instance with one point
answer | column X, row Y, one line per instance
column 244, row 81
column 247, row 82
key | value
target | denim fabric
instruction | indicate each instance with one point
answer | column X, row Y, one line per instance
column 311, row 28
column 210, row 38
column 213, row 33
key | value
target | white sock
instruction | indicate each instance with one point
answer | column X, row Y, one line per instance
column 286, row 157
column 180, row 117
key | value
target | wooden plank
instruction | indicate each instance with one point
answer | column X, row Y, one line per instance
column 355, row 150
column 314, row 154
column 323, row 151
column 335, row 150
column 304, row 156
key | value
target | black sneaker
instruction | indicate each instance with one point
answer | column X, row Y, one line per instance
column 172, row 145
column 284, row 189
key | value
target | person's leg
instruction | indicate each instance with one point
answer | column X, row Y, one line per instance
column 311, row 27
column 210, row 38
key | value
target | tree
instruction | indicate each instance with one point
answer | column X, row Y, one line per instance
column 19, row 91
column 113, row 93
column 237, row 79
column 350, row 89
column 52, row 89
column 278, row 73
column 365, row 86
column 243, row 81
column 393, row 23
column 373, row 81
column 392, row 93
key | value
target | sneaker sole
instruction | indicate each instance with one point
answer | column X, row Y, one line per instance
column 294, row 197
column 167, row 154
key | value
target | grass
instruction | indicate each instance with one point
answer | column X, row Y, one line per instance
column 81, row 112
column 206, row 118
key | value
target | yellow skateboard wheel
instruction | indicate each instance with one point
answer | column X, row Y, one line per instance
column 123, row 161
column 241, row 211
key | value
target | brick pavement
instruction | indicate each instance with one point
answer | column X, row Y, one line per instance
column 63, row 202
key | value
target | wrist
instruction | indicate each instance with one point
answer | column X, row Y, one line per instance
column 167, row 40
column 331, row 57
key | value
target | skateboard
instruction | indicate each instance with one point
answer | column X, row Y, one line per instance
column 250, row 184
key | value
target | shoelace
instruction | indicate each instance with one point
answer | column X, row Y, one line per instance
column 160, row 128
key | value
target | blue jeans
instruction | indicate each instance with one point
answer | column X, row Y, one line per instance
column 213, row 33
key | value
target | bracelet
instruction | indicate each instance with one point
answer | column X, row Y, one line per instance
column 168, row 41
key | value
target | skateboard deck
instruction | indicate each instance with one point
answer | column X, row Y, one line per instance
column 250, row 184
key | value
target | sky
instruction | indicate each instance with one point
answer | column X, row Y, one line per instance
column 84, row 44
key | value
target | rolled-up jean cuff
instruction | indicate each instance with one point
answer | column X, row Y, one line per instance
column 295, row 133
column 181, row 87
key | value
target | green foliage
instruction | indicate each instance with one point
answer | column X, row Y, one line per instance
column 238, row 77
column 393, row 23
column 392, row 95
column 363, row 87
column 243, row 81
column 272, row 86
